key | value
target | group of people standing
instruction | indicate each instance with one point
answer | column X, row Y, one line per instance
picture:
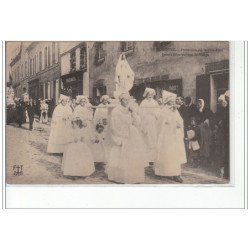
column 207, row 133
column 127, row 137
column 24, row 109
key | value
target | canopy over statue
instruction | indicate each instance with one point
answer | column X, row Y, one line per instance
column 124, row 76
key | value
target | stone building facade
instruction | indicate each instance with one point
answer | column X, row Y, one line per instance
column 38, row 70
column 74, row 68
column 195, row 69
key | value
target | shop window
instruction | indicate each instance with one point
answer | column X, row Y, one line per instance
column 161, row 46
column 73, row 61
column 99, row 53
column 128, row 47
column 83, row 58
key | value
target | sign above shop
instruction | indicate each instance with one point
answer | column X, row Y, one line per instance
column 71, row 79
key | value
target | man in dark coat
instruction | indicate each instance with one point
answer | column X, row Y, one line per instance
column 31, row 112
column 190, row 111
column 19, row 112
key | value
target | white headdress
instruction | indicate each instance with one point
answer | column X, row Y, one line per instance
column 227, row 93
column 202, row 104
column 222, row 98
column 124, row 95
column 167, row 96
column 63, row 97
column 81, row 97
column 104, row 97
column 149, row 91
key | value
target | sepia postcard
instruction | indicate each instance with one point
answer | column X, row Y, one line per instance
column 117, row 112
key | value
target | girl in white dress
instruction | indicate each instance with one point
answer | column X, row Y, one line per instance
column 128, row 156
column 149, row 112
column 170, row 145
column 44, row 112
column 85, row 112
column 60, row 125
column 98, row 149
column 77, row 158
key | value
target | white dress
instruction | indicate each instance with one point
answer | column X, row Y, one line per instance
column 98, row 148
column 102, row 113
column 128, row 156
column 77, row 157
column 149, row 112
column 44, row 109
column 180, row 137
column 170, row 145
column 85, row 113
column 60, row 125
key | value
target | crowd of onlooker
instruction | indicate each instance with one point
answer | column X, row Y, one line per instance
column 206, row 133
column 24, row 109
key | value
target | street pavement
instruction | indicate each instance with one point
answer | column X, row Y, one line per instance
column 27, row 162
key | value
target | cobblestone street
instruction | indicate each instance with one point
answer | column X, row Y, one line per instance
column 28, row 148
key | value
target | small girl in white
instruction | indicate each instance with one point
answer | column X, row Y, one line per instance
column 98, row 148
column 77, row 158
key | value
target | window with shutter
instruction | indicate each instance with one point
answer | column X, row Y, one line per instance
column 45, row 58
column 40, row 61
column 53, row 52
column 83, row 58
column 99, row 53
column 128, row 47
column 73, row 61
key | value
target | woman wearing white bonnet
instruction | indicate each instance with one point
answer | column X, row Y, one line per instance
column 222, row 101
column 85, row 112
column 101, row 118
column 170, row 146
column 128, row 157
column 59, row 126
column 149, row 112
column 101, row 113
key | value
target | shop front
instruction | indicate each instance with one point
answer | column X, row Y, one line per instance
column 72, row 84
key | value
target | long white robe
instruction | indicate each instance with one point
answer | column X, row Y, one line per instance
column 128, row 156
column 170, row 145
column 77, row 156
column 60, row 125
column 101, row 150
column 86, row 114
column 149, row 112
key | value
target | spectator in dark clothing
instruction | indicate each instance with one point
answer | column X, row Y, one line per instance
column 223, row 143
column 190, row 111
column 19, row 112
column 193, row 138
column 31, row 112
column 204, row 117
column 181, row 107
column 202, row 113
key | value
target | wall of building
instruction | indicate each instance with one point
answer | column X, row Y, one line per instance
column 43, row 76
column 183, row 60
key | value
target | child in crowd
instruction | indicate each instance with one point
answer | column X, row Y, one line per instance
column 193, row 137
column 77, row 158
column 98, row 148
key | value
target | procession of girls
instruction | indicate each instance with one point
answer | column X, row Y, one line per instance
column 127, row 137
